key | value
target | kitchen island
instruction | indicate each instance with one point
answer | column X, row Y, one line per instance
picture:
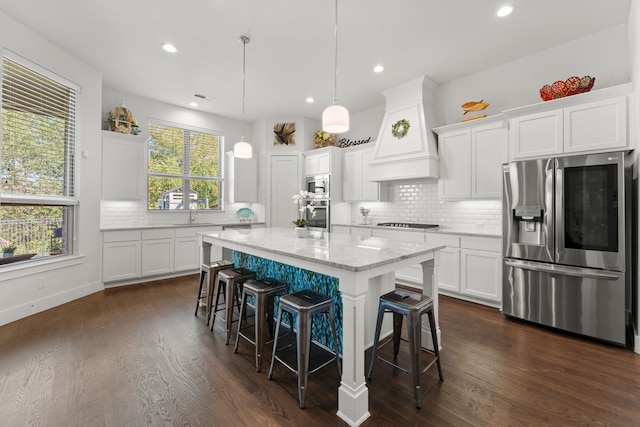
column 364, row 268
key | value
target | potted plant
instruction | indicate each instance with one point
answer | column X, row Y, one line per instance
column 8, row 250
column 303, row 202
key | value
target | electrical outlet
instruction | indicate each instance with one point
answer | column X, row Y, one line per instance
column 41, row 283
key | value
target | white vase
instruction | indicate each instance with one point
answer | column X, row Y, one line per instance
column 7, row 254
column 300, row 232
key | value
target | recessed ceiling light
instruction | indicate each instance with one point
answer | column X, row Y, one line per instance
column 193, row 104
column 504, row 11
column 169, row 48
column 309, row 100
column 378, row 69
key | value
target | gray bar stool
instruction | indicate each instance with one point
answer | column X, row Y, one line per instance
column 304, row 305
column 264, row 291
column 205, row 296
column 413, row 305
column 231, row 279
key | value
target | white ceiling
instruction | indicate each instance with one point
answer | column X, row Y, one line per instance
column 291, row 53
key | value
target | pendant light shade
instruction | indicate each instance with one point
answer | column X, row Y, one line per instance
column 335, row 118
column 242, row 149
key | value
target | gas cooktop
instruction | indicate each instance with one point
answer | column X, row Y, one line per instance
column 406, row 225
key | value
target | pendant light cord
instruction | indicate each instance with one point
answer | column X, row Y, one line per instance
column 244, row 40
column 335, row 60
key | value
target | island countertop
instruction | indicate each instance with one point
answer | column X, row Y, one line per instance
column 341, row 251
column 365, row 268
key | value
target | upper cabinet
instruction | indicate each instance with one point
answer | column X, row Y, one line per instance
column 123, row 164
column 241, row 179
column 322, row 161
column 585, row 123
column 356, row 173
column 470, row 159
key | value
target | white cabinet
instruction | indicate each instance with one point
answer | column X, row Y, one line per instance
column 340, row 229
column 326, row 161
column 322, row 161
column 120, row 256
column 241, row 179
column 188, row 247
column 448, row 275
column 122, row 166
column 157, row 252
column 481, row 268
column 356, row 173
column 470, row 159
column 586, row 123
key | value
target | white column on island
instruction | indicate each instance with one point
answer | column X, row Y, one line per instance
column 430, row 288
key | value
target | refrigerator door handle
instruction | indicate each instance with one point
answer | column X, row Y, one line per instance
column 561, row 269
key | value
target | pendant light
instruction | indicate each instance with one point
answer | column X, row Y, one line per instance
column 242, row 149
column 335, row 118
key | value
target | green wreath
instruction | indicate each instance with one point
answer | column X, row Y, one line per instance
column 400, row 128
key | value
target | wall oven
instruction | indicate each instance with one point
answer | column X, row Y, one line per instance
column 320, row 221
column 566, row 245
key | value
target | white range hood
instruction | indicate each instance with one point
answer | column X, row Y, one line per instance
column 415, row 154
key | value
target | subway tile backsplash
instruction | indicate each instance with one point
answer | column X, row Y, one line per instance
column 417, row 201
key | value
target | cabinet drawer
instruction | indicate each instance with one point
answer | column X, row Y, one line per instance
column 157, row 233
column 405, row 236
column 121, row 236
column 444, row 239
column 482, row 243
column 193, row 231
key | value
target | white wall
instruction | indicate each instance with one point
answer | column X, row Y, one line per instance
column 117, row 214
column 69, row 279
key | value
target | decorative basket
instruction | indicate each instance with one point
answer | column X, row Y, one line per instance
column 572, row 86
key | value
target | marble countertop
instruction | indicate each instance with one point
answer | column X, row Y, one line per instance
column 342, row 251
column 471, row 230
column 194, row 225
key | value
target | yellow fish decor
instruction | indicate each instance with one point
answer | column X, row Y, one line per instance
column 473, row 106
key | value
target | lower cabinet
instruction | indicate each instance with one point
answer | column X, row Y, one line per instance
column 470, row 268
column 413, row 273
column 157, row 252
column 121, row 256
column 132, row 255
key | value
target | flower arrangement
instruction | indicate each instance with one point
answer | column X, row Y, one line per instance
column 323, row 139
column 300, row 200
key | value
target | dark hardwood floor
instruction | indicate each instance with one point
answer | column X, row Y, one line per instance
column 137, row 356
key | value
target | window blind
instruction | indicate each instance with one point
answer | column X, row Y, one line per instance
column 38, row 132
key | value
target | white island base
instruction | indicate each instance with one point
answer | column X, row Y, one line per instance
column 365, row 270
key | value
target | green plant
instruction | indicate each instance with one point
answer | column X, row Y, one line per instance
column 9, row 249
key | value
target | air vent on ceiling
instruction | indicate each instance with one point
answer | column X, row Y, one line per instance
column 201, row 96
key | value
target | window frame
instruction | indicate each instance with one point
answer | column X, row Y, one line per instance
column 69, row 200
column 185, row 176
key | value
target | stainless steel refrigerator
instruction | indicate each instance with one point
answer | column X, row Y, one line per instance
column 567, row 246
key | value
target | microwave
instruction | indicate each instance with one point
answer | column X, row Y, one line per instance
column 318, row 185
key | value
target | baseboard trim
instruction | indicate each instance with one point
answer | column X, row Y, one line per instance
column 41, row 304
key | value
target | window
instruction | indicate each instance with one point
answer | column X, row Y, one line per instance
column 183, row 162
column 37, row 202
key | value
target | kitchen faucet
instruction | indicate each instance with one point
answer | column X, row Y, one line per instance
column 193, row 212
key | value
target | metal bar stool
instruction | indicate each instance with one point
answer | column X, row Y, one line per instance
column 205, row 296
column 231, row 279
column 304, row 305
column 413, row 305
column 264, row 291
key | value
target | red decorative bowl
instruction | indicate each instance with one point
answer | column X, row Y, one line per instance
column 572, row 86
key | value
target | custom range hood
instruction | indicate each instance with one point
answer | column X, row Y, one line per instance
column 406, row 147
